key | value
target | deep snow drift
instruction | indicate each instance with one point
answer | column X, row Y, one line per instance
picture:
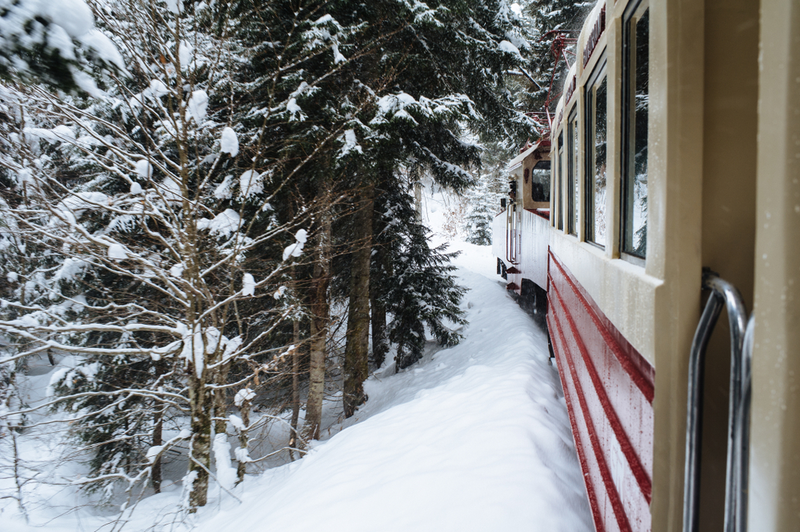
column 472, row 438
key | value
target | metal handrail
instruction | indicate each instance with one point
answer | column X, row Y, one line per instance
column 743, row 428
column 722, row 294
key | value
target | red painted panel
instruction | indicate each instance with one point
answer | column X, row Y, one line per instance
column 609, row 391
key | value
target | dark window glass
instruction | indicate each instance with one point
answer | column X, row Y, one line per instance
column 572, row 185
column 596, row 157
column 635, row 116
column 540, row 181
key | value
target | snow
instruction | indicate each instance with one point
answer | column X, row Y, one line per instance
column 176, row 270
column 295, row 110
column 157, row 88
column 117, row 252
column 223, row 224
column 250, row 184
column 223, row 190
column 248, row 285
column 509, row 48
column 193, row 348
column 174, row 6
column 82, row 201
column 69, row 269
column 72, row 15
column 228, row 142
column 104, row 48
column 350, row 143
column 242, row 396
column 473, row 438
column 296, row 249
column 185, row 51
column 143, row 169
column 198, row 104
column 226, row 473
column 57, row 134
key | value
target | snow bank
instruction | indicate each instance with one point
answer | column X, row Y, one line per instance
column 475, row 438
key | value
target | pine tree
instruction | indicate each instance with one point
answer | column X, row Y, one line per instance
column 484, row 198
column 418, row 289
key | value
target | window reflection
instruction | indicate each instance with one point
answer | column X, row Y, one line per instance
column 573, row 188
column 634, row 178
column 540, row 182
column 559, row 203
column 597, row 158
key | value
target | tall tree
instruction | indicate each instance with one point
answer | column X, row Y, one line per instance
column 157, row 234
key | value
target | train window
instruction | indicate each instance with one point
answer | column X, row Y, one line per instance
column 559, row 182
column 636, row 50
column 540, row 181
column 596, row 157
column 572, row 165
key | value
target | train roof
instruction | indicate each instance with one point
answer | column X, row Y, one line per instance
column 516, row 162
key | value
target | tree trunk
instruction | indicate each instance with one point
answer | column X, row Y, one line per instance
column 200, row 401
column 418, row 199
column 241, row 467
column 380, row 346
column 295, row 384
column 356, row 356
column 158, row 426
column 221, row 399
column 320, row 311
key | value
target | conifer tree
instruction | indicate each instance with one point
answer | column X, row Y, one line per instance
column 418, row 287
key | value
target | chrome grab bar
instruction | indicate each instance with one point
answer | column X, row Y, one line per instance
column 722, row 294
column 743, row 429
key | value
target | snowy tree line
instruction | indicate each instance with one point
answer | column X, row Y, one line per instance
column 208, row 206
column 540, row 74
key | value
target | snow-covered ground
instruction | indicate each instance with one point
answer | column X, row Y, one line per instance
column 472, row 438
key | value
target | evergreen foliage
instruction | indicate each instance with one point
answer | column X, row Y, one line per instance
column 54, row 43
column 419, row 287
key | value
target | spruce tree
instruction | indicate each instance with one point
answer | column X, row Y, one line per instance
column 419, row 289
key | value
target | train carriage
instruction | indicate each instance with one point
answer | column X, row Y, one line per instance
column 673, row 170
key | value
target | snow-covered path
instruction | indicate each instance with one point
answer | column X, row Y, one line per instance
column 475, row 438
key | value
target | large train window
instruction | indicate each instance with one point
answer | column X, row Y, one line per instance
column 572, row 171
column 540, row 181
column 559, row 181
column 635, row 50
column 596, row 156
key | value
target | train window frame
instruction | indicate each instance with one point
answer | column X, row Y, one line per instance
column 573, row 172
column 598, row 77
column 630, row 19
column 558, row 218
column 542, row 164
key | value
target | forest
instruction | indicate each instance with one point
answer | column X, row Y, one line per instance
column 209, row 216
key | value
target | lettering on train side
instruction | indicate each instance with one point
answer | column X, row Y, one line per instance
column 594, row 36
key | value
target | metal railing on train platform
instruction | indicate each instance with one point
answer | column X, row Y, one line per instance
column 722, row 294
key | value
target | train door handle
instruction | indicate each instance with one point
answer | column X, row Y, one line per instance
column 722, row 294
